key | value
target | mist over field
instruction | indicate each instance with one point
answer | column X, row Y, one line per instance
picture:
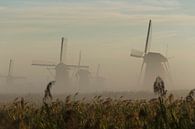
column 97, row 64
column 105, row 32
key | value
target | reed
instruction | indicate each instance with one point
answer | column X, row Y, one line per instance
column 100, row 113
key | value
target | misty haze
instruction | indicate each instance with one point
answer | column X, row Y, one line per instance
column 101, row 64
column 32, row 34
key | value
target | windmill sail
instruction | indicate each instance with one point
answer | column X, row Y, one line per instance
column 61, row 51
column 148, row 37
column 137, row 53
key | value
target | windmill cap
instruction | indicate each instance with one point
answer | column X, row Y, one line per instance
column 154, row 57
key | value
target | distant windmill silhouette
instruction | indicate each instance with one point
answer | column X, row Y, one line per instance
column 82, row 75
column 10, row 77
column 99, row 80
column 155, row 63
column 62, row 70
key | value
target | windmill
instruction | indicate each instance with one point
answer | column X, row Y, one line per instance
column 154, row 64
column 82, row 75
column 61, row 69
column 99, row 80
column 10, row 77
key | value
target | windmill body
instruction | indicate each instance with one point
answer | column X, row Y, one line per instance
column 154, row 64
column 83, row 79
column 154, row 67
column 99, row 80
column 62, row 76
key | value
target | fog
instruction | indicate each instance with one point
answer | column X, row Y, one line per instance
column 106, row 38
column 119, row 69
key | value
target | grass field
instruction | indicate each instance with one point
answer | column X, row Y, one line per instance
column 99, row 113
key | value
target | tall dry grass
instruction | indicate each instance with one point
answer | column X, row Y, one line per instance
column 100, row 113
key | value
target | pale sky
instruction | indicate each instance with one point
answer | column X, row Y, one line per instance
column 105, row 31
